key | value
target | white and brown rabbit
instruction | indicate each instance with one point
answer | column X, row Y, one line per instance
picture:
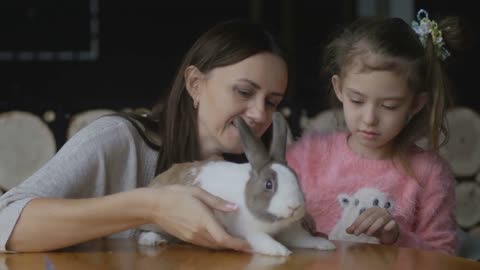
column 269, row 199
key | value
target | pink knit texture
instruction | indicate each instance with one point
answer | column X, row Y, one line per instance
column 423, row 206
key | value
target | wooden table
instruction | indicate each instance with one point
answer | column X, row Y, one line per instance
column 126, row 255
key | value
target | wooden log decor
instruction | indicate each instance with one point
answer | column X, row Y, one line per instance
column 328, row 120
column 26, row 144
column 468, row 204
column 80, row 120
column 475, row 231
column 463, row 148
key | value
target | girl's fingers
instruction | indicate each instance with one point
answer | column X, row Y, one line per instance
column 360, row 220
column 378, row 225
column 390, row 225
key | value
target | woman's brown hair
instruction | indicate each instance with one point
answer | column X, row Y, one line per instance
column 174, row 119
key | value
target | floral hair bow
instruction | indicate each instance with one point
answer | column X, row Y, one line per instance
column 425, row 27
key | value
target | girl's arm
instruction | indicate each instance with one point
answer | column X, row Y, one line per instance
column 435, row 220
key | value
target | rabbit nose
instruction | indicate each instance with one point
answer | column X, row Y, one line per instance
column 294, row 207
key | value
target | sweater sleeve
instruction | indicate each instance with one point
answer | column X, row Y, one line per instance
column 296, row 155
column 80, row 169
column 435, row 227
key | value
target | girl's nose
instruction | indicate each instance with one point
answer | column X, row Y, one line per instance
column 370, row 116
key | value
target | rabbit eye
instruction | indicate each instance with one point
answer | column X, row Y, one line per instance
column 375, row 202
column 387, row 205
column 269, row 185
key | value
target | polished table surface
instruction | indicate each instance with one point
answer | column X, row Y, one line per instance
column 126, row 254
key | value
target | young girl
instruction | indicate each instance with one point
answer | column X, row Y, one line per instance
column 372, row 183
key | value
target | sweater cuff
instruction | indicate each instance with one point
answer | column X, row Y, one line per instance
column 9, row 217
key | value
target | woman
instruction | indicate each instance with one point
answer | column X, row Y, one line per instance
column 95, row 185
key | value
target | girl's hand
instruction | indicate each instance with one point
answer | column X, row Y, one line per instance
column 185, row 212
column 377, row 222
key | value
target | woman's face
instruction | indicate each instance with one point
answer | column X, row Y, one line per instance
column 251, row 88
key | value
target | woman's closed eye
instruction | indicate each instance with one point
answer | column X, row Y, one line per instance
column 272, row 103
column 244, row 92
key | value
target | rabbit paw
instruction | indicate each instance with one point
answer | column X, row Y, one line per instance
column 273, row 250
column 151, row 239
column 323, row 244
column 265, row 244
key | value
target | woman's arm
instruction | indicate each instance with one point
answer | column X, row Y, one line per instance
column 47, row 224
column 183, row 211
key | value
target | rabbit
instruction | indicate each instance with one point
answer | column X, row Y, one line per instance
column 266, row 191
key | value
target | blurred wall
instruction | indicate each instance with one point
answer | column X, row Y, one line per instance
column 137, row 47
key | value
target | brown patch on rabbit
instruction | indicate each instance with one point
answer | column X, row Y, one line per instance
column 181, row 173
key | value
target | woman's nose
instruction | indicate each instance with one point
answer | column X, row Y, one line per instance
column 257, row 112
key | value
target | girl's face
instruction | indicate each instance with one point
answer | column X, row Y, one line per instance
column 251, row 88
column 377, row 105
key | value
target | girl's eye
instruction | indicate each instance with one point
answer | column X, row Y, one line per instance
column 389, row 107
column 269, row 184
column 355, row 101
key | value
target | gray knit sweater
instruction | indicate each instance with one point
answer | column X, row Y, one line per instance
column 106, row 157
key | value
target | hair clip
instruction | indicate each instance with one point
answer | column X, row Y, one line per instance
column 425, row 27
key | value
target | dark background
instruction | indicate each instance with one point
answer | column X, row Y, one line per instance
column 141, row 43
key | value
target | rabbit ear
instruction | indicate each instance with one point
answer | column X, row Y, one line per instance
column 253, row 147
column 279, row 140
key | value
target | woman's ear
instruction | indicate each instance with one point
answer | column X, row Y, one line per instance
column 419, row 102
column 337, row 87
column 193, row 77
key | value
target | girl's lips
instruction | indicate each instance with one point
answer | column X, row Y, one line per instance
column 369, row 134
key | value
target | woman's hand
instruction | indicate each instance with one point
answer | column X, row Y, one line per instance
column 185, row 212
column 377, row 222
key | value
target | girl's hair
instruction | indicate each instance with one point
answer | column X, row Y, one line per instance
column 391, row 44
column 174, row 120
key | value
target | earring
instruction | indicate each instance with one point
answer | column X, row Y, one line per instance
column 409, row 117
column 195, row 104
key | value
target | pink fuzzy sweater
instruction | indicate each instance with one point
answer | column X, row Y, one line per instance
column 329, row 170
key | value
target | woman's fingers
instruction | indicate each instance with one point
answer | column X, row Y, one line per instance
column 225, row 240
column 213, row 234
column 213, row 201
